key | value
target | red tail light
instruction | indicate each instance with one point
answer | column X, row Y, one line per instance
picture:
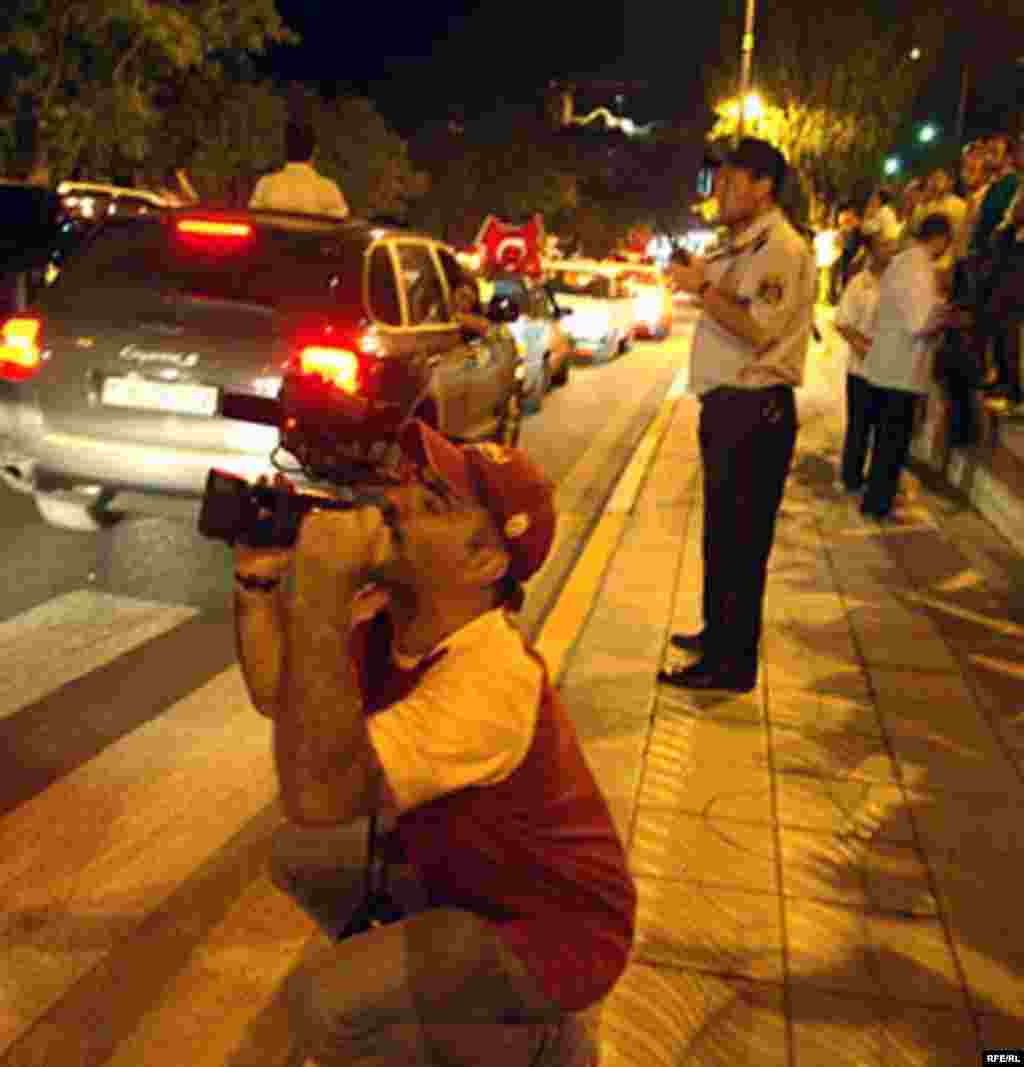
column 338, row 366
column 21, row 353
column 213, row 235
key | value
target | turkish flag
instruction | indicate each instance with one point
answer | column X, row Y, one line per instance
column 504, row 247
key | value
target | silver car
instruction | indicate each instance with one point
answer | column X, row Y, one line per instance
column 121, row 379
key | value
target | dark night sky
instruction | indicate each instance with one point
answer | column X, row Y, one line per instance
column 418, row 61
column 422, row 61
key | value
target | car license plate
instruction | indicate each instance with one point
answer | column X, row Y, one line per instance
column 160, row 396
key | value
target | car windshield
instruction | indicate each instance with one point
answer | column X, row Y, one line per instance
column 581, row 283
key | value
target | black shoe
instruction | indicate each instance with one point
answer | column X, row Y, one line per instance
column 705, row 675
column 688, row 642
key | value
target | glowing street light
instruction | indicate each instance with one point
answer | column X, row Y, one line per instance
column 753, row 107
column 927, row 133
column 893, row 165
column 915, row 54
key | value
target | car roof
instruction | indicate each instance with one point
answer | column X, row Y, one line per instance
column 303, row 222
column 70, row 188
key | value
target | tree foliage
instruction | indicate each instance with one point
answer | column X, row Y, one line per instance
column 367, row 158
column 89, row 74
column 506, row 163
column 836, row 84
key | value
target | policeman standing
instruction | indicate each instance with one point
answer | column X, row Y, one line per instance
column 747, row 356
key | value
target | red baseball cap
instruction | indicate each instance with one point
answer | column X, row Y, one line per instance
column 503, row 480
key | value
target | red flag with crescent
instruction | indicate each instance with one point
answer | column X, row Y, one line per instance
column 504, row 247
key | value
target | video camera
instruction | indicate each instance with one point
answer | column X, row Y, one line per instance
column 265, row 516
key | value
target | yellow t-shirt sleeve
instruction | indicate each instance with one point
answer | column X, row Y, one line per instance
column 469, row 722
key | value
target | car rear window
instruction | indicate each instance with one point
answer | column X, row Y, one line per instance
column 133, row 263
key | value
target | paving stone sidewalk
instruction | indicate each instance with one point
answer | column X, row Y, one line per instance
column 829, row 867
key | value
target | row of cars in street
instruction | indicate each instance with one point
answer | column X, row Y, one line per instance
column 580, row 311
column 173, row 341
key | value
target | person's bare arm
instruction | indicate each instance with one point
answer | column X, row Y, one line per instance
column 259, row 639
column 326, row 765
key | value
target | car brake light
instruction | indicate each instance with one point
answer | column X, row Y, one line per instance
column 338, row 366
column 21, row 355
column 213, row 236
column 209, row 228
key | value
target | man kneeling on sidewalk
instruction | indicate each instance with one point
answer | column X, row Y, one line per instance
column 397, row 681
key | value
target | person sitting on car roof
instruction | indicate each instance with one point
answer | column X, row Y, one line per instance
column 298, row 187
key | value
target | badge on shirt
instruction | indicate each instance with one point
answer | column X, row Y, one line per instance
column 771, row 290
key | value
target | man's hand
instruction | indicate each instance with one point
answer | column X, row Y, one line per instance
column 688, row 277
column 351, row 546
column 265, row 562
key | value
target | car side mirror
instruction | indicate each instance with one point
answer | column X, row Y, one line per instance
column 503, row 309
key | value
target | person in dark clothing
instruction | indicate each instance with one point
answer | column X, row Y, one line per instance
column 849, row 226
column 1003, row 310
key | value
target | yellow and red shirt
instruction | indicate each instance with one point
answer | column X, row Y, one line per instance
column 498, row 809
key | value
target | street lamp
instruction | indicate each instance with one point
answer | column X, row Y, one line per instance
column 753, row 108
column 746, row 54
column 928, row 132
column 893, row 165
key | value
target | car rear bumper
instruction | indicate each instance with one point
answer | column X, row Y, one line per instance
column 66, row 460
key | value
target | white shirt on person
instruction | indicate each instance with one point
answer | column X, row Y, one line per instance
column 299, row 188
column 857, row 309
column 770, row 268
column 909, row 303
column 469, row 721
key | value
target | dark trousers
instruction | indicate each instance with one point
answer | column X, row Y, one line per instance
column 963, row 430
column 1006, row 355
column 861, row 421
column 747, row 437
column 895, row 414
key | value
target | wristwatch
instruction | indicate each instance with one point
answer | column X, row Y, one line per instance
column 703, row 288
column 257, row 585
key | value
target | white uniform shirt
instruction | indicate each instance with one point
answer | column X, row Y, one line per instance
column 299, row 188
column 470, row 719
column 770, row 268
column 857, row 309
column 909, row 302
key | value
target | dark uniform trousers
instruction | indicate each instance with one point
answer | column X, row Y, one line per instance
column 861, row 423
column 894, row 431
column 747, row 437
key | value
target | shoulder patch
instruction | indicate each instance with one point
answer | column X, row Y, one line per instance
column 771, row 290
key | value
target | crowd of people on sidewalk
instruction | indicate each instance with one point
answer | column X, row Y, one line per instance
column 972, row 350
